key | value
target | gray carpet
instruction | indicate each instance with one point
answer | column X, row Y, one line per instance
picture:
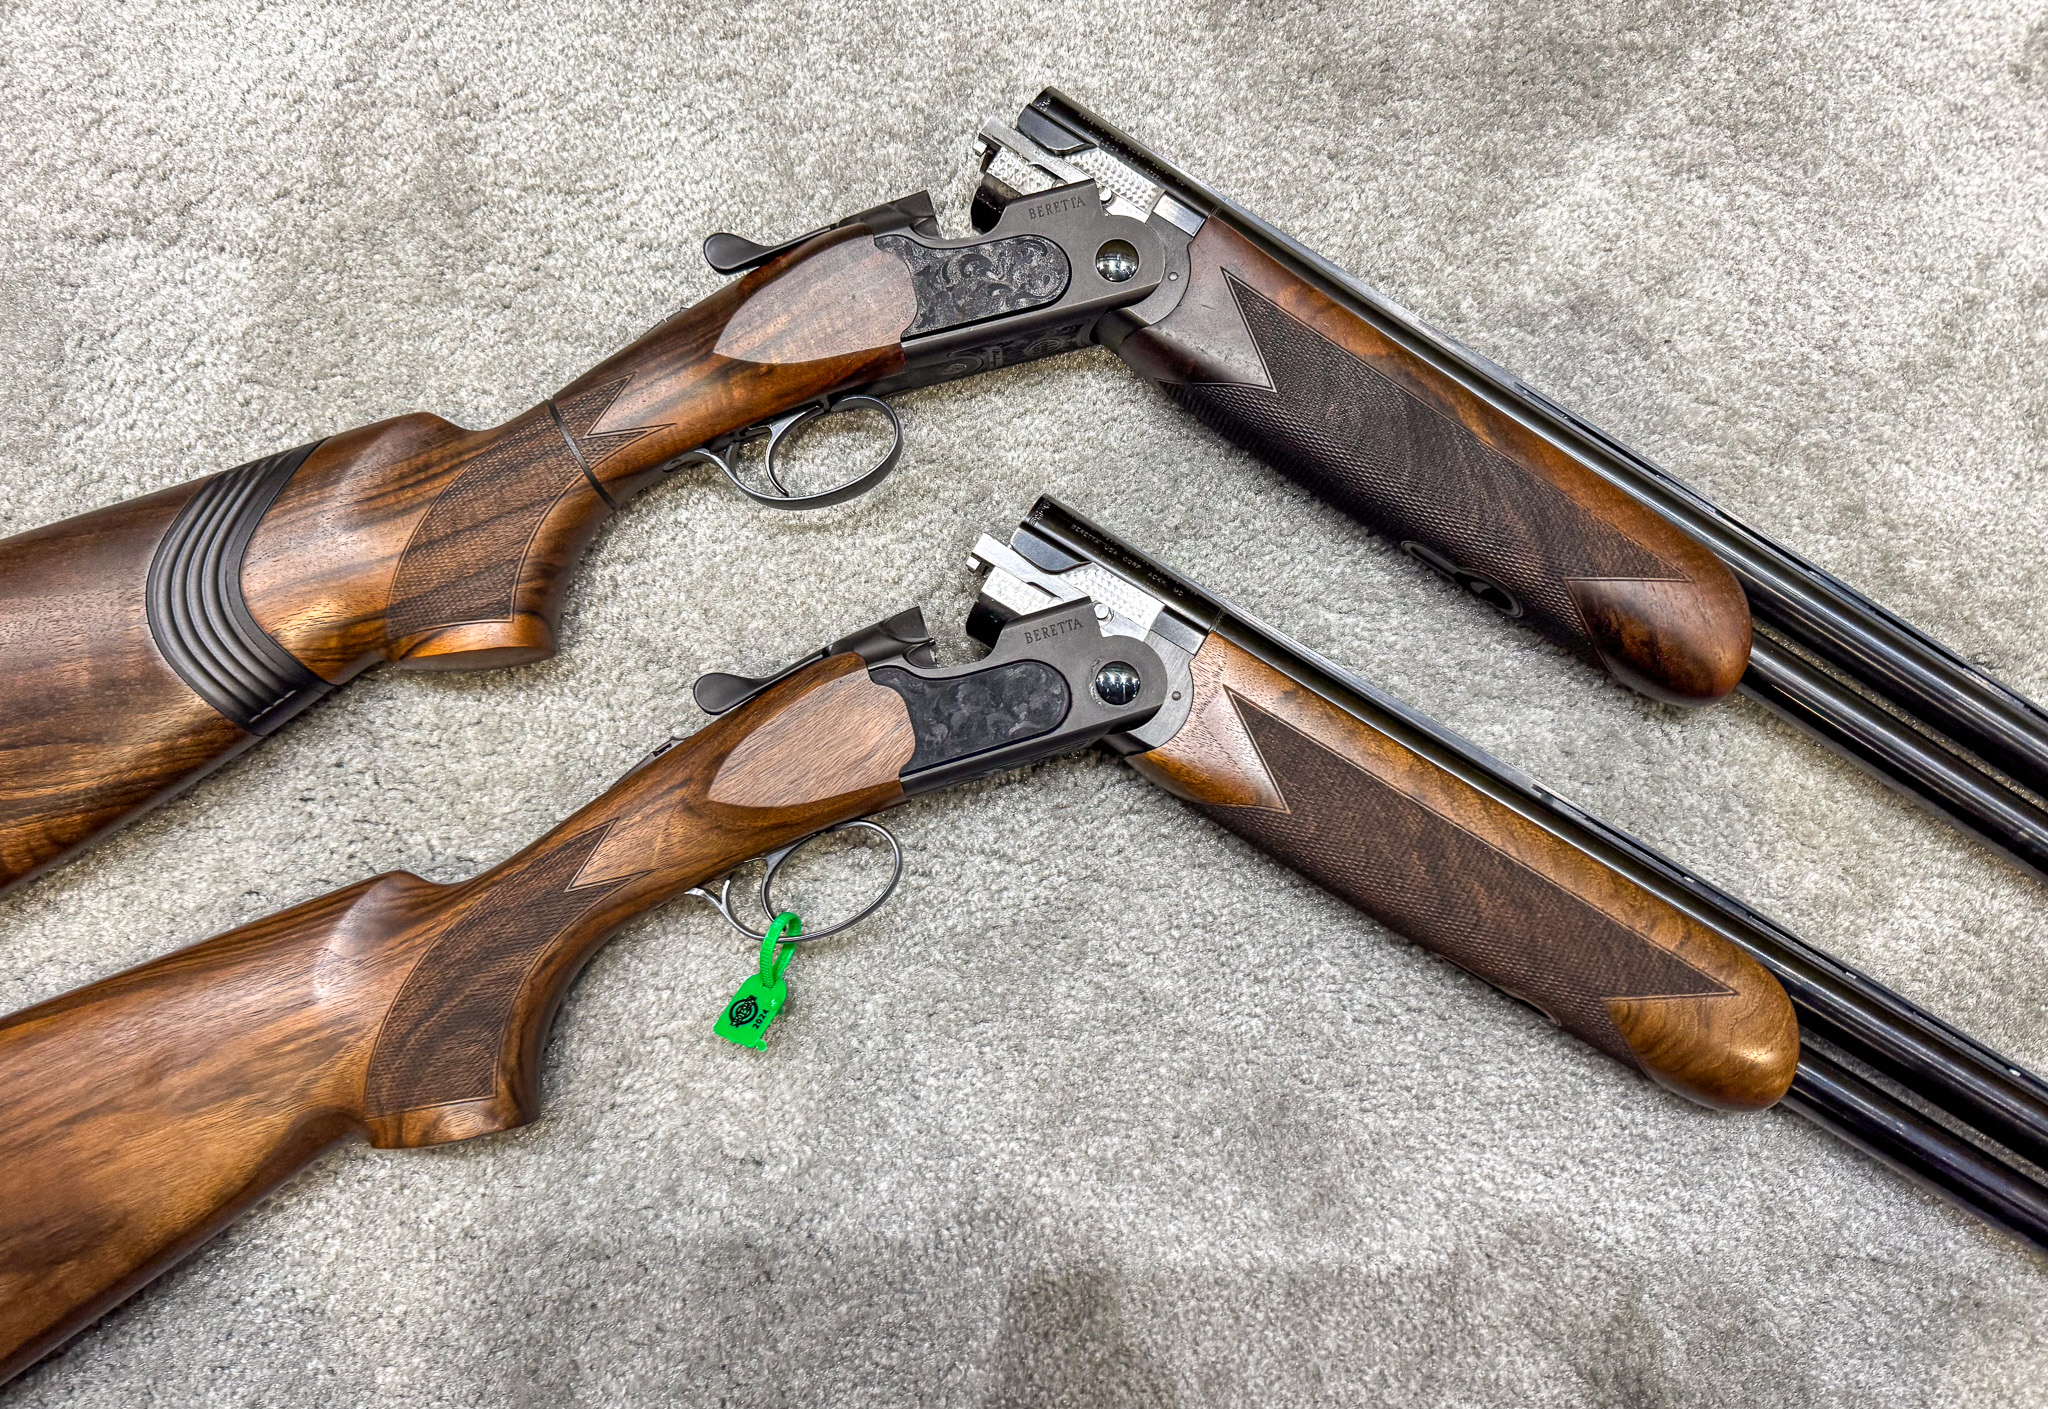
column 1178, row 1129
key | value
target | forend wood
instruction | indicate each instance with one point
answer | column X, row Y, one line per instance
column 142, row 1113
column 1274, row 364
column 150, row 641
column 1437, row 860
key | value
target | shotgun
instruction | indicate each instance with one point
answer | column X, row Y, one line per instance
column 154, row 639
column 138, row 1115
column 142, row 1113
column 1861, row 679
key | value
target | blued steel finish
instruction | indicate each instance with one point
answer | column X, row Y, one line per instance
column 1909, row 760
column 1930, row 1155
column 733, row 254
column 1837, row 1004
column 1884, row 655
column 963, row 328
column 903, row 636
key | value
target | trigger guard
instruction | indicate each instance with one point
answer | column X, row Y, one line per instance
column 722, row 902
column 782, row 427
column 775, row 859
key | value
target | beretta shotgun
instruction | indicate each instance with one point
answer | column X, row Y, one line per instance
column 152, row 640
column 140, row 1114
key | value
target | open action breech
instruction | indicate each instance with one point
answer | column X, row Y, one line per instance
column 142, row 1113
column 157, row 638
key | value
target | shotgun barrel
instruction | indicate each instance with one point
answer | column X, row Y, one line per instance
column 1863, row 680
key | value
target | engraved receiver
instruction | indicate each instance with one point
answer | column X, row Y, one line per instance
column 152, row 640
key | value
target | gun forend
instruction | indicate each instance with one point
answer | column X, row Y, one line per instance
column 140, row 1114
column 1409, row 823
column 1336, row 392
column 1438, row 860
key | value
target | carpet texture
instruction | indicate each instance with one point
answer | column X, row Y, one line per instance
column 1105, row 1109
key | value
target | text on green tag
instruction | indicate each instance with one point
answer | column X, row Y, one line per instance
column 749, row 1011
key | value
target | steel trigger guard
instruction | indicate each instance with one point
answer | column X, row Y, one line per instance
column 722, row 902
column 719, row 452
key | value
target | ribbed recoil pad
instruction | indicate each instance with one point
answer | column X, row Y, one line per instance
column 149, row 642
column 198, row 616
column 1435, row 859
column 1283, row 371
column 95, row 722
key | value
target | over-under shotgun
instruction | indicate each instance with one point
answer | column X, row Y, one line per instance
column 151, row 640
column 154, row 639
column 140, row 1114
column 1866, row 1053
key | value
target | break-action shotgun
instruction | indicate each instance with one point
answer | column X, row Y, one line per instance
column 151, row 640
column 140, row 1114
column 1871, row 1062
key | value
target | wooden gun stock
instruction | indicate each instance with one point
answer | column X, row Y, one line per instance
column 1435, row 859
column 150, row 641
column 1282, row 369
column 139, row 1115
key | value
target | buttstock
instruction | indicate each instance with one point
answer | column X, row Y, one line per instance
column 95, row 724
column 150, row 641
column 1460, row 873
column 141, row 1114
column 138, row 1116
column 443, row 549
column 1281, row 369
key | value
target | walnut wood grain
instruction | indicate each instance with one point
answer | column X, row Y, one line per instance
column 771, row 768
column 853, row 292
column 410, row 540
column 1284, row 371
column 442, row 549
column 142, row 1113
column 96, row 726
column 1435, row 859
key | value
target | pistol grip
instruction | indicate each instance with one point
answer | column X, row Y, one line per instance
column 439, row 548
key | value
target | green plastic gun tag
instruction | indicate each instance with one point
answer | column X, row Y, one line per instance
column 750, row 1010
